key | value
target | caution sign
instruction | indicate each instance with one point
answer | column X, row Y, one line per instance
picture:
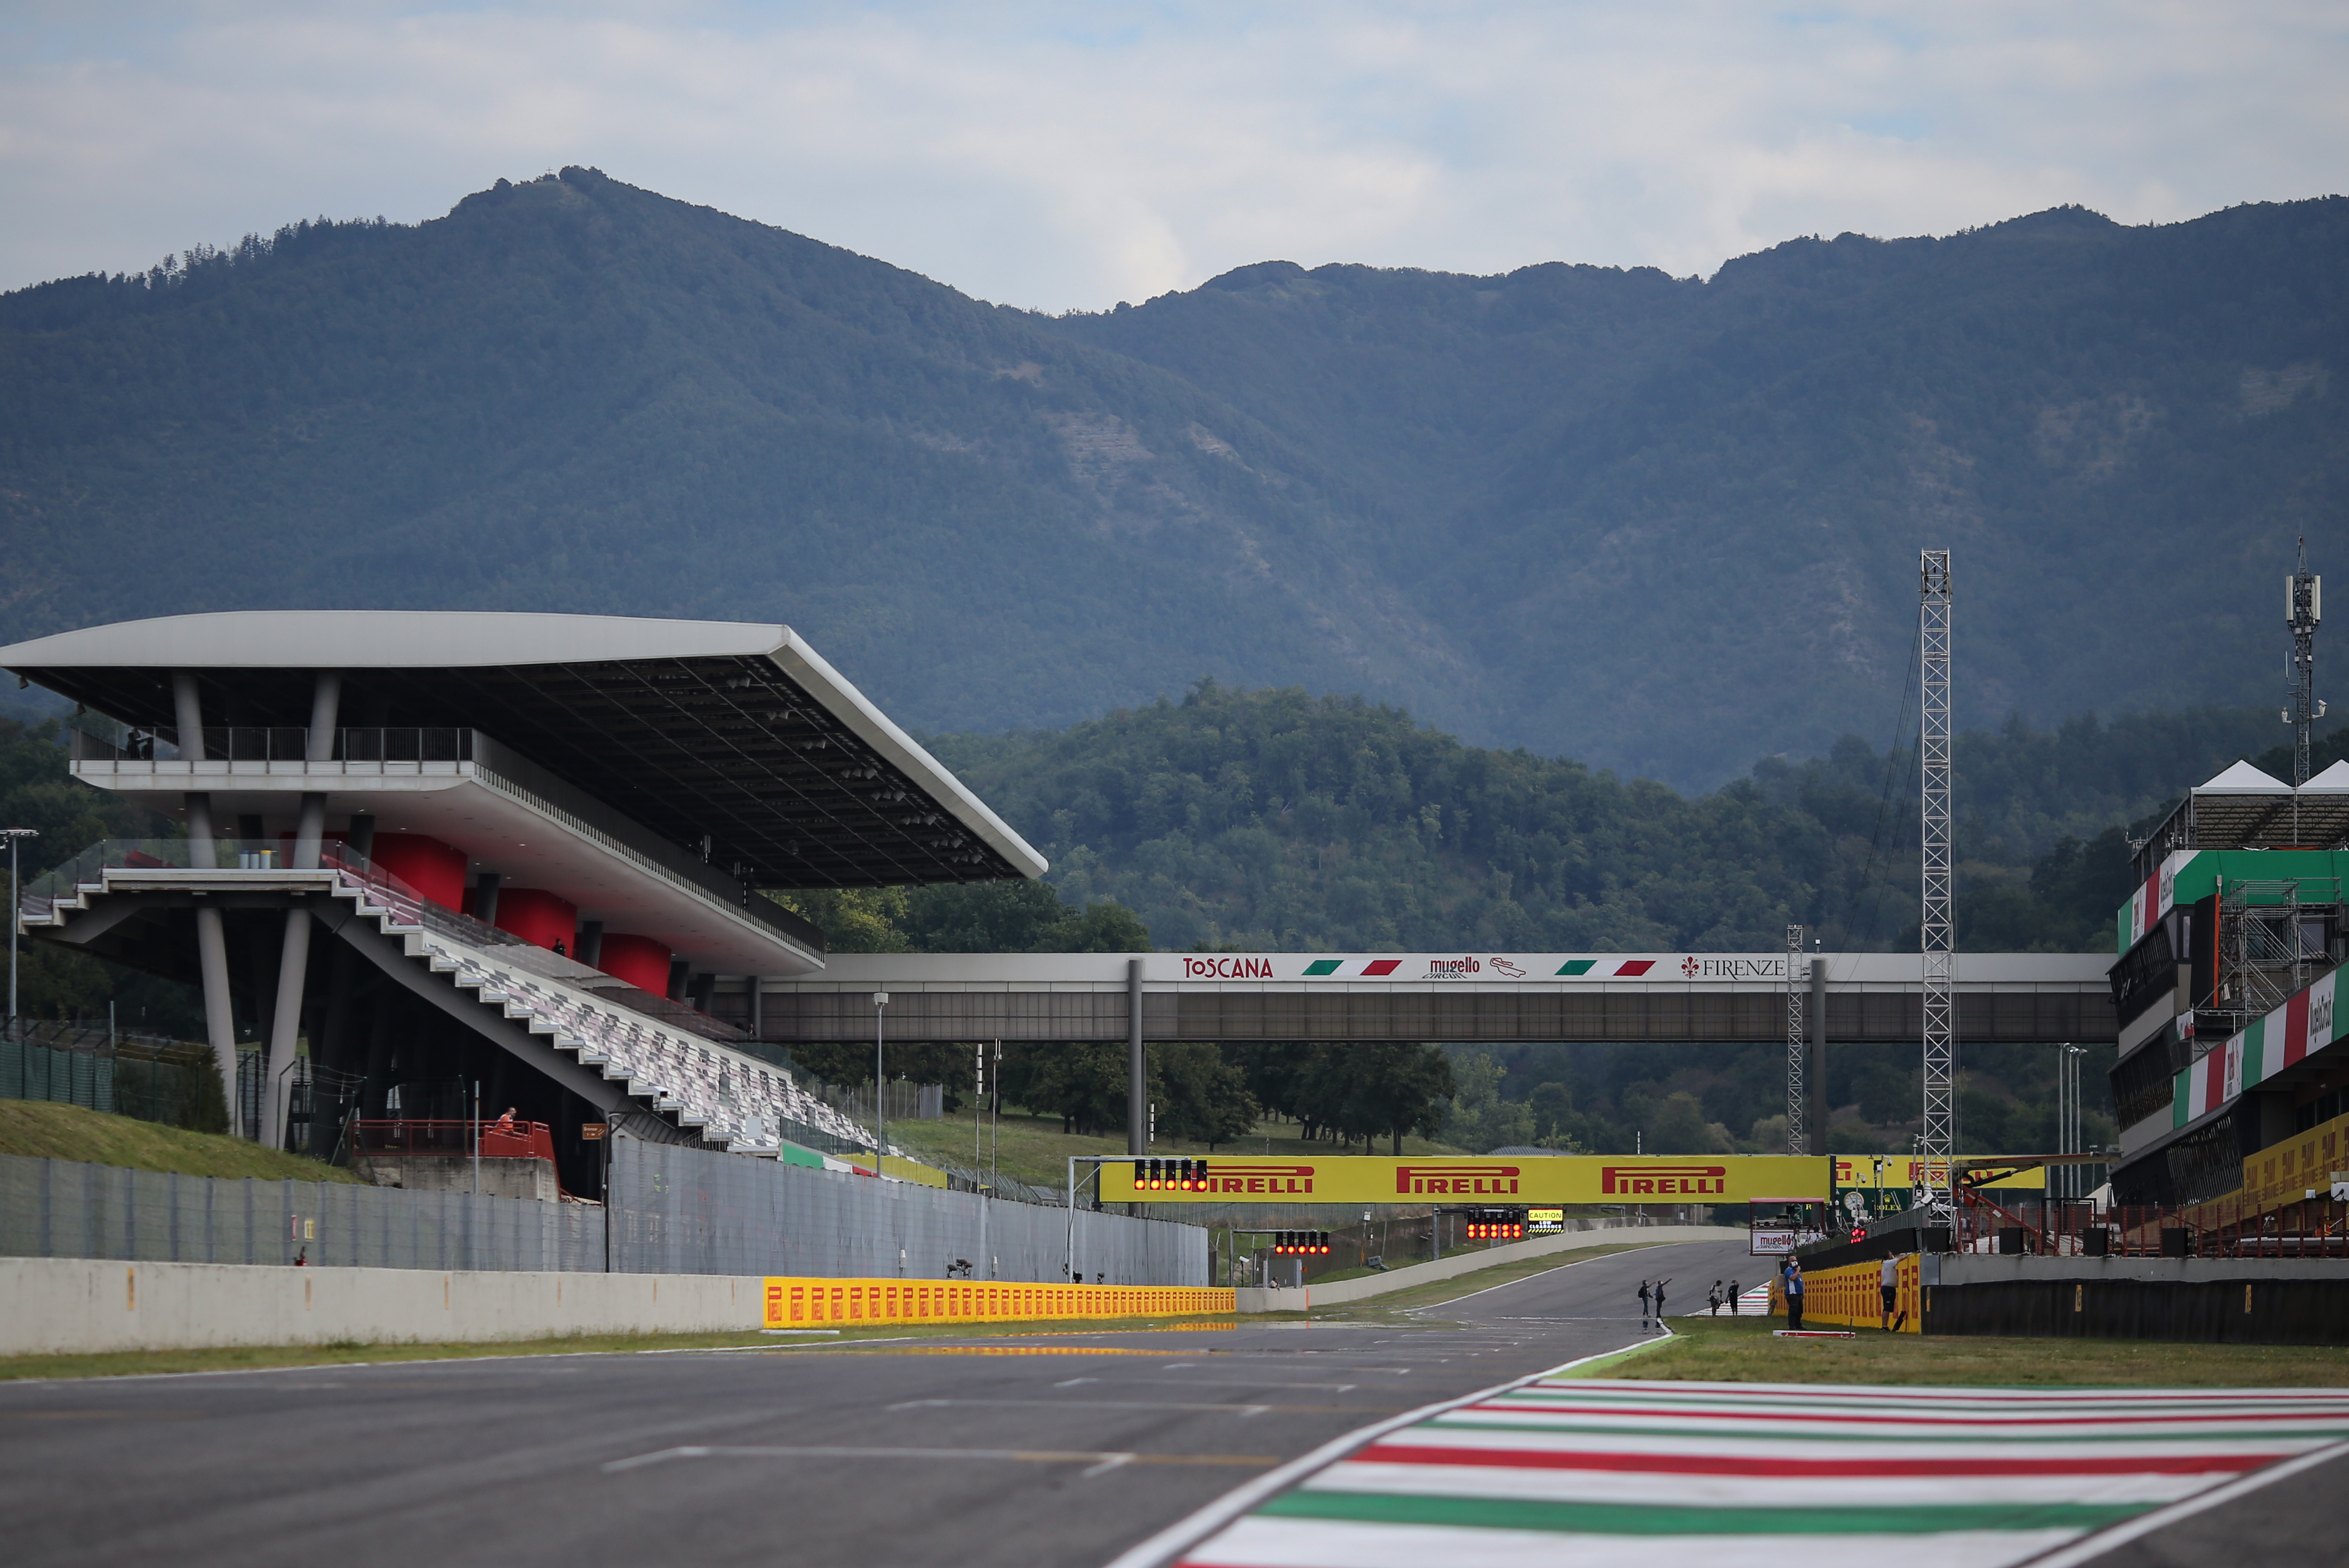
column 1556, row 1179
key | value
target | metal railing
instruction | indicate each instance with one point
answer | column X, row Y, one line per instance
column 102, row 739
column 2227, row 1228
column 272, row 742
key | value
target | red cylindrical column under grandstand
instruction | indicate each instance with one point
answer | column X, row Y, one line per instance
column 642, row 962
column 539, row 919
column 425, row 863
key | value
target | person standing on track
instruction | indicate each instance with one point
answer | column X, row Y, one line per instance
column 1644, row 1289
column 1712, row 1300
column 1660, row 1301
column 1794, row 1293
column 1732, row 1298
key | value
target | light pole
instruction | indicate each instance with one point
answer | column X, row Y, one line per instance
column 15, row 912
column 880, row 1139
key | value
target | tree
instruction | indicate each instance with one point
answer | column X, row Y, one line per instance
column 1082, row 1082
column 1402, row 1089
column 1013, row 917
column 1199, row 1095
column 1481, row 1120
column 1676, row 1125
column 1551, row 1104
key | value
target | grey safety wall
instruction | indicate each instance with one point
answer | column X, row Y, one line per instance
column 679, row 1211
column 674, row 1210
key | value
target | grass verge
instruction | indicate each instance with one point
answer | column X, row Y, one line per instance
column 1745, row 1351
column 45, row 1129
column 246, row 1358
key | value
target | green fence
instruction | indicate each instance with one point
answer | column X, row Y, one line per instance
column 147, row 1076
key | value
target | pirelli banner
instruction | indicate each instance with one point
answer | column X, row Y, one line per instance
column 1550, row 1180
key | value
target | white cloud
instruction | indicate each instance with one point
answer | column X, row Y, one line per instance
column 1074, row 155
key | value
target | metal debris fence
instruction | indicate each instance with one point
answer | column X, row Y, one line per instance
column 67, row 1208
column 674, row 1210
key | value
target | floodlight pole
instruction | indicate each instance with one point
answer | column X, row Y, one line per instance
column 880, row 1139
column 15, row 912
column 1936, row 932
column 1797, row 1043
column 2304, row 608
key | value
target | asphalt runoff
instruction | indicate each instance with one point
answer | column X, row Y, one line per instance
column 1050, row 1450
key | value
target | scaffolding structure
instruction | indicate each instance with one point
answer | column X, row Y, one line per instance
column 1797, row 1041
column 1936, row 934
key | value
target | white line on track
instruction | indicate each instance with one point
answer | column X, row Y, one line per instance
column 1184, row 1533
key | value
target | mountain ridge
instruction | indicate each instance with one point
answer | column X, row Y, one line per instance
column 1663, row 524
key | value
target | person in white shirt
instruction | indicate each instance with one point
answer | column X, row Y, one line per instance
column 1887, row 1279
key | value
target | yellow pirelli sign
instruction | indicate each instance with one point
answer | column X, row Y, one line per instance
column 1501, row 1182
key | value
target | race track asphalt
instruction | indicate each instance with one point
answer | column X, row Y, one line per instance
column 1046, row 1450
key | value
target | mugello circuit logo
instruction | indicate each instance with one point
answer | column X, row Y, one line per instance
column 1663, row 1181
column 1413, row 1180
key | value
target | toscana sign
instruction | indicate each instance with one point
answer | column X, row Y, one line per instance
column 1542, row 1179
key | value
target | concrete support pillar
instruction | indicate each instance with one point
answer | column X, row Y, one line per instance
column 294, row 962
column 485, row 898
column 211, row 931
column 220, row 1012
column 362, row 834
column 591, row 942
column 326, row 703
column 758, row 1006
column 1137, row 1065
column 680, row 970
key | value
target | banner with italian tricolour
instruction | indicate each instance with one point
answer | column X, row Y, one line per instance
column 2267, row 1046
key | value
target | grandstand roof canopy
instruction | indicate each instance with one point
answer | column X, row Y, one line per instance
column 736, row 731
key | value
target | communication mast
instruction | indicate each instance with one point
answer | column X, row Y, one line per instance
column 1936, row 934
column 1796, row 1038
column 2304, row 606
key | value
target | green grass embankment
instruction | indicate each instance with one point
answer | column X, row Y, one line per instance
column 45, row 1129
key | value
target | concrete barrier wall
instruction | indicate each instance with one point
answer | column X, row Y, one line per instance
column 73, row 1305
column 1295, row 1299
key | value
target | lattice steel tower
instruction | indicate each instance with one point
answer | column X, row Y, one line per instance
column 1798, row 1040
column 1935, row 932
column 2304, row 606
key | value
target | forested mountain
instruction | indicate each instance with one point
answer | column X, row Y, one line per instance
column 1276, row 820
column 1663, row 525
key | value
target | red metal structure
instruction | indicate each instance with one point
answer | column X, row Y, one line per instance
column 2229, row 1227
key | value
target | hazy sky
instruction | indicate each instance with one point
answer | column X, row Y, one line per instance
column 1073, row 155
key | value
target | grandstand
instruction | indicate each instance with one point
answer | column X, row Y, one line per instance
column 536, row 846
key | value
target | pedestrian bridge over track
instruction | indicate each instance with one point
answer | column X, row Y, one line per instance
column 1665, row 998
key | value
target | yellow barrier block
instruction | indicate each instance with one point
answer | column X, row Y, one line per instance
column 808, row 1302
column 1852, row 1296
